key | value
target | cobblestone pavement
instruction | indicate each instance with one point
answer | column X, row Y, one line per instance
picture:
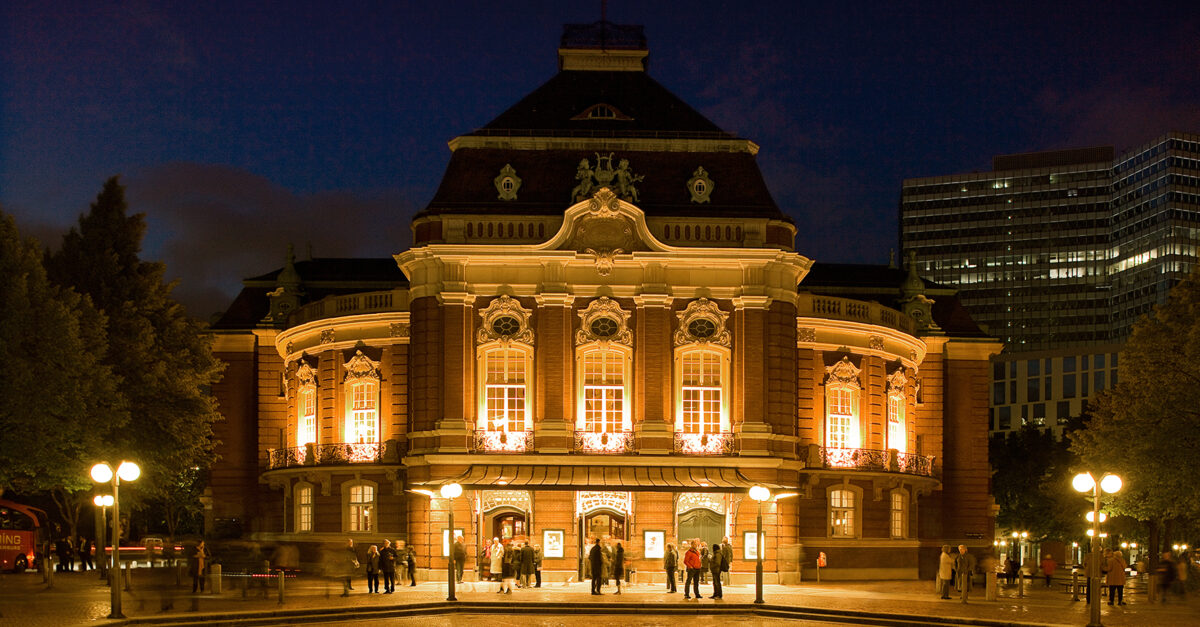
column 80, row 599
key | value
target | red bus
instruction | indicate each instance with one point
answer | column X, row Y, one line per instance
column 21, row 531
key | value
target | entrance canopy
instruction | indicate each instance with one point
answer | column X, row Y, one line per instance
column 627, row 478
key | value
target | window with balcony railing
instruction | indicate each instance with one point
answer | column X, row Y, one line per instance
column 842, row 390
column 362, row 424
column 505, row 389
column 603, row 391
column 306, row 431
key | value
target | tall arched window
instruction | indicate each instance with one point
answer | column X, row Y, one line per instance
column 842, row 430
column 897, row 436
column 362, row 400
column 306, row 405
column 505, row 376
column 604, row 357
column 702, row 376
column 603, row 391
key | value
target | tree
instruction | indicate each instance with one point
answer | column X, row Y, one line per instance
column 1031, row 483
column 164, row 359
column 57, row 398
column 1146, row 429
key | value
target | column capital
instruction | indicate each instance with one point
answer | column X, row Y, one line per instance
column 752, row 302
column 464, row 299
column 653, row 300
column 555, row 300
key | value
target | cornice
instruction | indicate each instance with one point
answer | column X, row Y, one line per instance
column 597, row 143
column 911, row 351
column 340, row 333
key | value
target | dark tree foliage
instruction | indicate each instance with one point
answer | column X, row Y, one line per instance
column 163, row 358
column 1031, row 482
column 57, row 398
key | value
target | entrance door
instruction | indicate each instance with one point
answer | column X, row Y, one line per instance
column 508, row 525
column 705, row 524
column 605, row 523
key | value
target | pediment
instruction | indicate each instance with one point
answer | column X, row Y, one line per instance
column 604, row 224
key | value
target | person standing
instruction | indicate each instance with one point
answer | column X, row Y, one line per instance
column 197, row 563
column 596, row 561
column 1048, row 568
column 508, row 569
column 691, row 561
column 372, row 561
column 349, row 565
column 85, row 554
column 526, row 564
column 716, row 565
column 411, row 560
column 537, row 565
column 727, row 552
column 1114, row 577
column 964, row 568
column 619, row 565
column 705, row 560
column 945, row 573
column 496, row 560
column 669, row 564
column 460, row 558
column 1166, row 572
column 387, row 567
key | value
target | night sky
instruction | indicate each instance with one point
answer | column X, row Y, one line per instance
column 239, row 127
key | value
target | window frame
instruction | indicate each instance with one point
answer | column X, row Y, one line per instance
column 723, row 356
column 903, row 513
column 625, row 355
column 348, row 519
column 524, row 353
column 299, row 507
column 306, row 433
column 855, row 527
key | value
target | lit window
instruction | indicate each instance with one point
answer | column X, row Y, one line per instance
column 504, row 389
column 842, row 431
column 701, row 392
column 364, row 417
column 898, row 514
column 603, row 391
column 361, row 508
column 841, row 513
column 307, row 431
column 897, row 438
column 304, row 507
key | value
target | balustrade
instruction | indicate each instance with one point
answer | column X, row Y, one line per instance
column 875, row 460
column 502, row 441
column 617, row 442
column 704, row 443
column 333, row 454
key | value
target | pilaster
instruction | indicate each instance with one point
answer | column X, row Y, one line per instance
column 653, row 418
column 457, row 422
column 748, row 409
column 554, row 410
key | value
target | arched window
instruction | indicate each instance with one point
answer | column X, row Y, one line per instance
column 702, row 352
column 843, row 512
column 306, row 405
column 505, row 367
column 358, row 500
column 505, row 390
column 842, row 430
column 604, row 405
column 362, row 400
column 303, row 497
column 897, row 436
column 604, row 359
column 899, row 514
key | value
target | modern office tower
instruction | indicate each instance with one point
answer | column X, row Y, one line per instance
column 1058, row 254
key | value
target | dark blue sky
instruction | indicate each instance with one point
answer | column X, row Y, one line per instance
column 239, row 127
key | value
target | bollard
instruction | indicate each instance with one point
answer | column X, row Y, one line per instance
column 1020, row 585
column 128, row 578
column 281, row 575
column 1074, row 585
column 214, row 573
column 991, row 583
column 179, row 574
column 48, row 571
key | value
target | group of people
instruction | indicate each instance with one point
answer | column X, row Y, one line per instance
column 518, row 561
column 67, row 550
column 699, row 560
column 955, row 569
column 392, row 563
column 605, row 563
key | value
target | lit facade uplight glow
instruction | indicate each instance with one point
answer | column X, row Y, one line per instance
column 102, row 473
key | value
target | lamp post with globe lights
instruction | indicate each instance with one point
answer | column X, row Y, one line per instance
column 1085, row 482
column 102, row 501
column 103, row 473
column 760, row 494
column 450, row 491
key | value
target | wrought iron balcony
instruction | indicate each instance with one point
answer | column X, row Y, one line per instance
column 502, row 441
column 606, row 443
column 874, row 460
column 704, row 443
column 333, row 454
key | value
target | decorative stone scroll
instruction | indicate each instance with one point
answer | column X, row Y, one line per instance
column 617, row 501
column 700, row 500
column 875, row 342
column 398, row 329
column 507, row 183
column 843, row 372
column 806, row 334
column 361, row 367
column 700, row 186
column 604, row 321
column 505, row 320
column 702, row 322
column 306, row 374
column 897, row 382
column 328, row 336
column 516, row 499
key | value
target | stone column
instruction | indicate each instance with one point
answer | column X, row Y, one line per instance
column 654, row 382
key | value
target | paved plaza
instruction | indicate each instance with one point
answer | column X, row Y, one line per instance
column 81, row 599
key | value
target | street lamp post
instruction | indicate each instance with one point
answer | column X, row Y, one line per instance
column 450, row 491
column 103, row 502
column 760, row 494
column 1085, row 482
column 103, row 473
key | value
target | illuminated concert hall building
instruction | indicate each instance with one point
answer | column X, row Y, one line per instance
column 602, row 329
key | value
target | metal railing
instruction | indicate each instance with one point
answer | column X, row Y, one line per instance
column 875, row 460
column 604, row 443
column 502, row 441
column 704, row 443
column 333, row 454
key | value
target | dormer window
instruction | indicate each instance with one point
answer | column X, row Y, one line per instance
column 601, row 111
